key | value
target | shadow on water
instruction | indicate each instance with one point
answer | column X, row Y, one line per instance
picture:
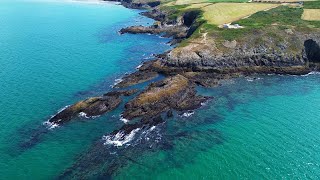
column 26, row 137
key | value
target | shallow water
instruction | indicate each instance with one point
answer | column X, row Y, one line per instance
column 54, row 53
column 266, row 128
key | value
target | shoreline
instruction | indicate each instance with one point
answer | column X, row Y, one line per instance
column 176, row 92
column 151, row 69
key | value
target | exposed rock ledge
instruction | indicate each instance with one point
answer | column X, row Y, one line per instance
column 91, row 107
column 173, row 93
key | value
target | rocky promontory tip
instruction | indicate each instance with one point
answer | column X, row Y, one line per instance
column 176, row 92
column 136, row 78
column 91, row 107
column 178, row 32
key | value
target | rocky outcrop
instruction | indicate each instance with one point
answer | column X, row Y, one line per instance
column 91, row 107
column 210, row 79
column 129, row 92
column 177, row 32
column 136, row 78
column 177, row 93
column 179, row 28
column 137, row 4
column 252, row 54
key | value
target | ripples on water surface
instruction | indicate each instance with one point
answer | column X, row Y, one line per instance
column 54, row 53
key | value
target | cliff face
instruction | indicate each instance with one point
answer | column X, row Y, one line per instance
column 138, row 4
column 289, row 48
column 270, row 47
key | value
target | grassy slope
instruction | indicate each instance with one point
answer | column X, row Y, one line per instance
column 277, row 19
column 312, row 5
column 183, row 2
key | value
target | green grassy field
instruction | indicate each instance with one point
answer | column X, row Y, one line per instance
column 221, row 13
column 183, row 2
column 312, row 5
column 272, row 17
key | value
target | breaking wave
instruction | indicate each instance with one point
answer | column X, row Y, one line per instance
column 312, row 73
column 50, row 125
column 117, row 81
column 187, row 114
column 120, row 138
column 124, row 120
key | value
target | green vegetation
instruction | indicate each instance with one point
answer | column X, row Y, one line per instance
column 283, row 15
column 258, row 18
column 174, row 11
column 312, row 5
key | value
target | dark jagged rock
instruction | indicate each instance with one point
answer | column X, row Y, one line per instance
column 175, row 92
column 136, row 78
column 179, row 28
column 170, row 114
column 254, row 53
column 128, row 128
column 90, row 107
column 209, row 79
column 137, row 4
column 155, row 14
column 122, row 93
column 177, row 32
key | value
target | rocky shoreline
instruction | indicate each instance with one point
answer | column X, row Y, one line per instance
column 185, row 67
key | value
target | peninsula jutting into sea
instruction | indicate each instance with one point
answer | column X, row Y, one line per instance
column 160, row 89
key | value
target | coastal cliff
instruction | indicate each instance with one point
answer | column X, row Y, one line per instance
column 204, row 55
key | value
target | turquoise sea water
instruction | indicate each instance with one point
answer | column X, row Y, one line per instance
column 54, row 53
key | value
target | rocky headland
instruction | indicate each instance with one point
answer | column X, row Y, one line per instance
column 198, row 59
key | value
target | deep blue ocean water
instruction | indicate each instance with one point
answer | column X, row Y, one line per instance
column 53, row 54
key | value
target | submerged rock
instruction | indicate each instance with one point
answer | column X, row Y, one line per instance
column 117, row 149
column 175, row 92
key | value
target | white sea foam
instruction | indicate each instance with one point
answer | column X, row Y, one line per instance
column 83, row 114
column 138, row 67
column 204, row 103
column 60, row 110
column 312, row 73
column 124, row 120
column 120, row 138
column 188, row 114
column 250, row 79
column 117, row 81
column 50, row 125
column 152, row 128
